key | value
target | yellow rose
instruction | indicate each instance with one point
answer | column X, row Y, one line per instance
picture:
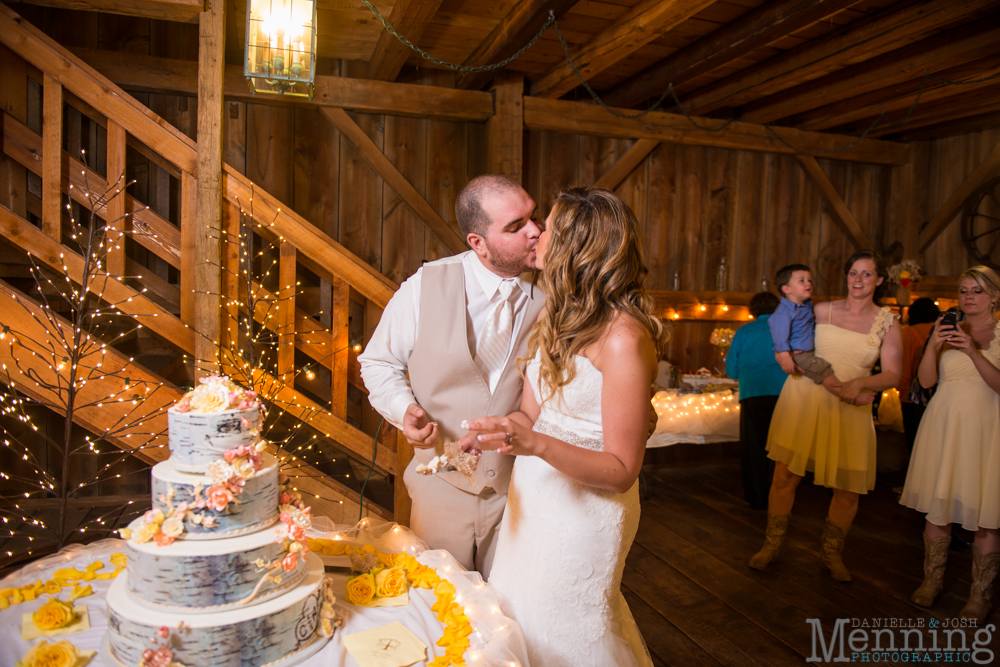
column 210, row 397
column 360, row 589
column 44, row 654
column 385, row 560
column 391, row 582
column 53, row 615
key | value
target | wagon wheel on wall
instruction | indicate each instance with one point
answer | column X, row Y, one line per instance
column 981, row 224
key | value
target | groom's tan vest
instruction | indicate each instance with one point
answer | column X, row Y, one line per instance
column 445, row 380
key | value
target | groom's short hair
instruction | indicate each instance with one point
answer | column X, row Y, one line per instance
column 468, row 207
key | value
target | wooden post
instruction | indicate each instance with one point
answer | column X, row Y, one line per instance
column 115, row 214
column 208, row 224
column 286, row 313
column 14, row 102
column 339, row 312
column 841, row 214
column 52, row 108
column 505, row 130
column 401, row 497
column 613, row 177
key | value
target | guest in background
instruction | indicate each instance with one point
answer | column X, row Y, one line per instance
column 751, row 361
column 922, row 315
column 956, row 458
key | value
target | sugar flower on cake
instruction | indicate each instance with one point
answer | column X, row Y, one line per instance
column 216, row 393
column 162, row 655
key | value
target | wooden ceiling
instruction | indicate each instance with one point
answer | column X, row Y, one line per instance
column 821, row 65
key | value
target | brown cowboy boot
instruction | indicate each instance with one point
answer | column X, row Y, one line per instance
column 777, row 526
column 832, row 545
column 935, row 557
column 984, row 571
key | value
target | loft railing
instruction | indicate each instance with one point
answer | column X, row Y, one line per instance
column 305, row 340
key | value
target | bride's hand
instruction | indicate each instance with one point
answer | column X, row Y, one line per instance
column 503, row 434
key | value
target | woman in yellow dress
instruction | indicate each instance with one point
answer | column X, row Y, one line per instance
column 955, row 466
column 812, row 430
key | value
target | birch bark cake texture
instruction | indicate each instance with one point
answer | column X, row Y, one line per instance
column 221, row 561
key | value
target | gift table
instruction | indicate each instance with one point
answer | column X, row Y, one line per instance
column 494, row 638
column 695, row 418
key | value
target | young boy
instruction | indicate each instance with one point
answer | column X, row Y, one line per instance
column 792, row 327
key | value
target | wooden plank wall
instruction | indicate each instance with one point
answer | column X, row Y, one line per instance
column 697, row 206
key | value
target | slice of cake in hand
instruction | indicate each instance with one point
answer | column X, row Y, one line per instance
column 454, row 459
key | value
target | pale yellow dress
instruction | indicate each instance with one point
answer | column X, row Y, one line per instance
column 954, row 474
column 811, row 429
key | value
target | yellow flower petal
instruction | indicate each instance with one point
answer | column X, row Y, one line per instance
column 118, row 560
column 95, row 566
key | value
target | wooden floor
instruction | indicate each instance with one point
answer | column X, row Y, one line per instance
column 698, row 603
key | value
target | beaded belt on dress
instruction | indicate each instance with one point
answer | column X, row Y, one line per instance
column 548, row 428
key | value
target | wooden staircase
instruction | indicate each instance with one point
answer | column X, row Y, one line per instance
column 167, row 299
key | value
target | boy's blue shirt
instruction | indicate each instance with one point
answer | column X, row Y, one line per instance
column 792, row 326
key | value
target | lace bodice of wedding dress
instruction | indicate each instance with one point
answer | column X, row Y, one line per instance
column 562, row 545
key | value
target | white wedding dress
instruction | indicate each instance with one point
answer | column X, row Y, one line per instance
column 562, row 545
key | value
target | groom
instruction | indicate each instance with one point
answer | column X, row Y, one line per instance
column 456, row 328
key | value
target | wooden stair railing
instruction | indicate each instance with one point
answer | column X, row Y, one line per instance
column 68, row 80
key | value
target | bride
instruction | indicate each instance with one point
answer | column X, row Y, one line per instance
column 573, row 504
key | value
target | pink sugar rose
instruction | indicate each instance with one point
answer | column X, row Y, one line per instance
column 236, row 484
column 285, row 517
column 162, row 657
column 199, row 503
column 235, row 397
column 208, row 522
column 250, row 395
column 245, row 405
column 162, row 539
column 148, row 517
column 285, row 499
column 163, row 632
column 229, row 455
column 147, row 655
column 281, row 532
column 297, row 532
column 219, row 496
column 290, row 562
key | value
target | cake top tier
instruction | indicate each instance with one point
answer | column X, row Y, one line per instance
column 216, row 393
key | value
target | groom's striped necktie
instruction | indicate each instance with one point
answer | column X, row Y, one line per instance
column 494, row 343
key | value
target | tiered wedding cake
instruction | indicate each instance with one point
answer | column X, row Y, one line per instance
column 219, row 567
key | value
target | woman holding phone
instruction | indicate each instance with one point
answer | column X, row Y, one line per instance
column 956, row 458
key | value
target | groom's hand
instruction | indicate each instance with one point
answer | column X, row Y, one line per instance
column 418, row 430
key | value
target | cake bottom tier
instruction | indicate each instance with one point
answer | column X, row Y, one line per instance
column 256, row 636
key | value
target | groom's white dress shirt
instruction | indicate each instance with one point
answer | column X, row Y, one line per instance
column 386, row 356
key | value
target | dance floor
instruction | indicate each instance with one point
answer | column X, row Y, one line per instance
column 697, row 602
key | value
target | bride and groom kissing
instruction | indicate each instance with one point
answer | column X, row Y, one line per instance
column 540, row 343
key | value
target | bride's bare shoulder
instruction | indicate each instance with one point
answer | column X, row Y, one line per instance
column 625, row 336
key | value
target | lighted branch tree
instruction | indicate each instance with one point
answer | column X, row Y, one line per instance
column 61, row 355
column 260, row 333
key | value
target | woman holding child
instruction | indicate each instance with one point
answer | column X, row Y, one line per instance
column 956, row 457
column 829, row 430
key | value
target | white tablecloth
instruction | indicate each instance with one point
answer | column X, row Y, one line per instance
column 495, row 639
column 695, row 418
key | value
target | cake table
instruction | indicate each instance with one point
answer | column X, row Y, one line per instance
column 495, row 639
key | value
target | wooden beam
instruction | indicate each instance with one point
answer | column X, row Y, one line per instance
column 620, row 170
column 44, row 53
column 968, row 125
column 285, row 324
column 514, row 30
column 180, row 11
column 588, row 119
column 633, row 30
column 505, row 130
column 901, row 97
column 982, row 100
column 164, row 75
column 116, row 207
column 208, row 220
column 52, row 172
column 986, row 170
column 757, row 28
column 892, row 28
column 944, row 50
column 841, row 214
column 381, row 164
column 409, row 18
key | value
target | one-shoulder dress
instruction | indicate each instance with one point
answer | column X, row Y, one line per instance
column 812, row 430
column 954, row 474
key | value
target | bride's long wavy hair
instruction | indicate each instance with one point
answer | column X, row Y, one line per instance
column 593, row 268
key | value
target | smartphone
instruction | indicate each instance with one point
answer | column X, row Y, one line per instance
column 951, row 318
